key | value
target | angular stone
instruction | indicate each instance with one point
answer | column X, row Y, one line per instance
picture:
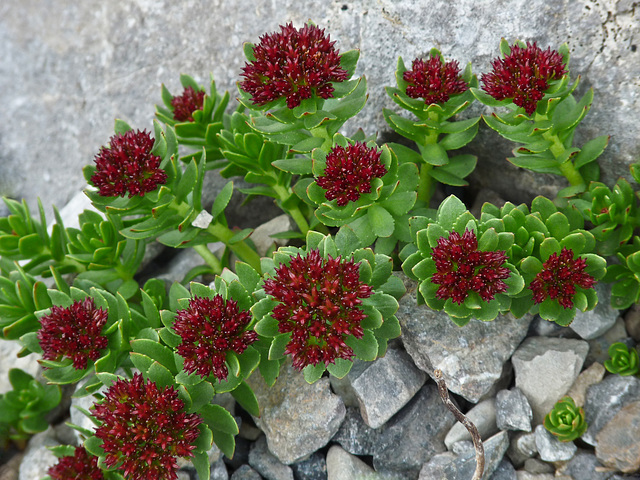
column 504, row 471
column 545, row 370
column 483, row 416
column 605, row 400
column 585, row 466
column 412, row 436
column 297, row 418
column 313, row 468
column 343, row 387
column 550, row 448
column 632, row 322
column 219, row 471
column 355, row 436
column 590, row 376
column 596, row 322
column 471, row 358
column 9, row 359
column 37, row 457
column 266, row 464
column 513, row 411
column 524, row 475
column 618, row 443
column 462, row 467
column 342, row 465
column 599, row 347
column 533, row 465
column 245, row 472
column 386, row 386
column 522, row 447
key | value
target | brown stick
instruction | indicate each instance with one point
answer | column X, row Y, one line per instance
column 475, row 436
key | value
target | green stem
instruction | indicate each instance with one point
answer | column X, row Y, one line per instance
column 321, row 132
column 209, row 258
column 294, row 212
column 567, row 168
column 426, row 185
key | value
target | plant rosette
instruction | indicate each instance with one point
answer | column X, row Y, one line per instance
column 622, row 360
column 23, row 409
column 197, row 118
column 461, row 264
column 324, row 305
column 434, row 91
column 551, row 252
column 305, row 93
column 374, row 205
column 566, row 421
column 543, row 112
column 625, row 275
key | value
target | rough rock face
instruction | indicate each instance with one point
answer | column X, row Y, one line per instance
column 70, row 68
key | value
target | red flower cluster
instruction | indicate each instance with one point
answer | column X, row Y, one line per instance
column 434, row 80
column 293, row 64
column 127, row 165
column 209, row 328
column 80, row 465
column 559, row 277
column 524, row 75
column 462, row 268
column 187, row 103
column 319, row 301
column 349, row 172
column 144, row 428
column 73, row 332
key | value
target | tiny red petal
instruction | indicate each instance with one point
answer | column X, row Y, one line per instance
column 144, row 428
column 320, row 302
column 462, row 268
column 294, row 64
column 209, row 328
column 187, row 103
column 524, row 75
column 349, row 172
column 73, row 332
column 127, row 166
column 434, row 80
column 559, row 277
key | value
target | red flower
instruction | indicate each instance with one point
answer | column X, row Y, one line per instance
column 187, row 103
column 349, row 172
column 559, row 277
column 319, row 301
column 524, row 75
column 80, row 465
column 293, row 64
column 73, row 332
column 462, row 268
column 434, row 80
column 210, row 328
column 144, row 428
column 127, row 165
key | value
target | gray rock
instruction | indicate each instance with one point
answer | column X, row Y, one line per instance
column 604, row 401
column 297, row 418
column 447, row 467
column 9, row 359
column 618, row 443
column 342, row 465
column 513, row 411
column 471, row 358
column 585, row 466
column 386, row 386
column 37, row 457
column 524, row 475
column 589, row 376
column 533, row 465
column 245, row 472
column 545, row 370
column 540, row 327
column 412, row 436
column 219, row 471
column 313, row 468
column 483, row 416
column 266, row 464
column 521, row 447
column 550, row 448
column 504, row 471
column 632, row 322
column 599, row 347
column 344, row 386
column 105, row 61
column 355, row 436
column 596, row 322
